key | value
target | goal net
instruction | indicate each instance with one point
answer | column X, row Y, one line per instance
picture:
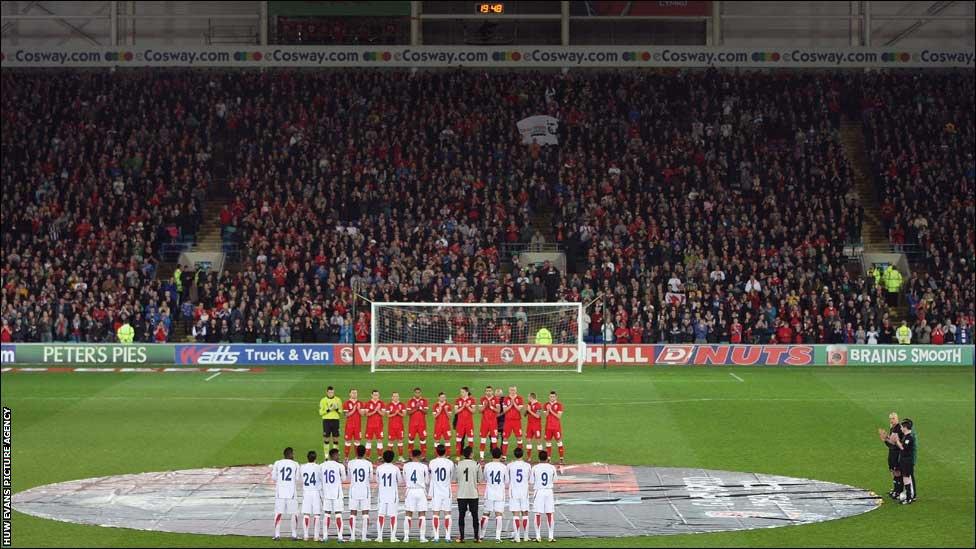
column 522, row 336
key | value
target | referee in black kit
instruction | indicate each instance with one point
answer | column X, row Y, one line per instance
column 906, row 460
column 889, row 438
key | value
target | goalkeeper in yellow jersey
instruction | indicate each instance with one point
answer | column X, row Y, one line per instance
column 330, row 408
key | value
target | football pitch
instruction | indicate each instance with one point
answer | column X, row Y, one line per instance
column 807, row 422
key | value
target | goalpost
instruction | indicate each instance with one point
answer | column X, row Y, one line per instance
column 466, row 336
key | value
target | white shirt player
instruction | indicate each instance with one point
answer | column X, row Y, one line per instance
column 441, row 475
column 519, row 473
column 543, row 482
column 311, row 477
column 388, row 479
column 285, row 475
column 417, row 476
column 360, row 476
column 333, row 475
column 496, row 477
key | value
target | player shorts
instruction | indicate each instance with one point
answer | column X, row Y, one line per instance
column 544, row 502
column 554, row 434
column 396, row 433
column 387, row 508
column 374, row 433
column 418, row 430
column 518, row 505
column 330, row 428
column 312, row 504
column 353, row 433
column 907, row 468
column 333, row 506
column 493, row 506
column 465, row 430
column 441, row 503
column 416, row 501
column 892, row 460
column 488, row 429
column 512, row 428
column 533, row 433
column 286, row 506
column 442, row 434
column 359, row 504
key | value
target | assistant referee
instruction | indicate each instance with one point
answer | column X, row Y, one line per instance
column 330, row 408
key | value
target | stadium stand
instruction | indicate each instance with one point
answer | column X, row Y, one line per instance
column 695, row 206
column 99, row 171
column 919, row 130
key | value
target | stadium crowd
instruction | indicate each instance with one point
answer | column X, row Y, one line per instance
column 99, row 170
column 699, row 206
column 920, row 134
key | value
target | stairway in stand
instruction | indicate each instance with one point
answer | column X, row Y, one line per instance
column 209, row 237
column 872, row 232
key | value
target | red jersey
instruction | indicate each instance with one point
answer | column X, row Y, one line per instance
column 553, row 423
column 464, row 414
column 352, row 408
column 534, row 423
column 418, row 410
column 442, row 416
column 490, row 412
column 513, row 414
column 373, row 418
column 396, row 420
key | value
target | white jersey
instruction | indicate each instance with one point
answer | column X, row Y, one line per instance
column 285, row 474
column 441, row 474
column 416, row 475
column 360, row 475
column 311, row 480
column 519, row 473
column 543, row 477
column 496, row 477
column 388, row 479
column 333, row 475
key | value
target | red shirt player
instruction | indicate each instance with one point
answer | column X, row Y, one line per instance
column 554, row 425
column 417, row 407
column 533, row 424
column 353, row 409
column 442, row 422
column 374, row 423
column 512, row 406
column 396, row 410
column 464, row 408
column 489, row 419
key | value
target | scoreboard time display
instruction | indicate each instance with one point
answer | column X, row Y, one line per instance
column 489, row 8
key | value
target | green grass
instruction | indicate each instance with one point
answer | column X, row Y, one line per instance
column 805, row 422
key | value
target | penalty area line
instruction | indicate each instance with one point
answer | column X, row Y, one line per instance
column 213, row 376
column 737, row 377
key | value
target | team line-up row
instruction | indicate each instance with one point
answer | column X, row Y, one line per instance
column 322, row 493
column 501, row 420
